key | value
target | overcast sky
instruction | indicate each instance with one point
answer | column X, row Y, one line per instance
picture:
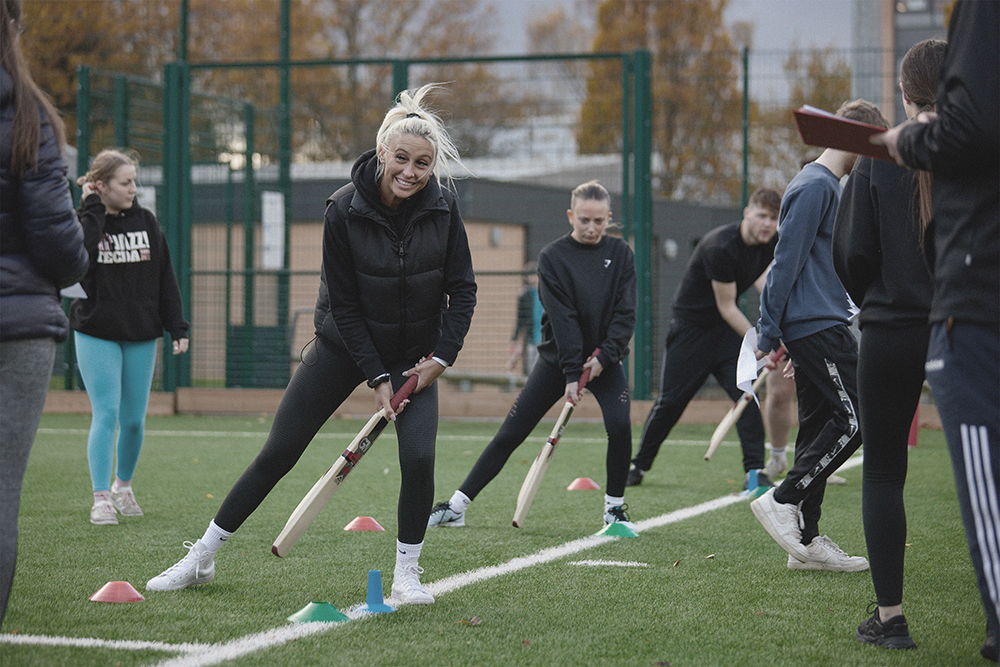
column 778, row 24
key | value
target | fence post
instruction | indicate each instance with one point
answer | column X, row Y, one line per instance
column 121, row 104
column 82, row 163
column 746, row 127
column 400, row 77
column 643, row 216
column 176, row 219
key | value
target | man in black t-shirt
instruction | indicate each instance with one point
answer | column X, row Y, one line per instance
column 707, row 329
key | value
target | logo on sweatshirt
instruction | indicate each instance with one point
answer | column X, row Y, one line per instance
column 607, row 263
column 124, row 248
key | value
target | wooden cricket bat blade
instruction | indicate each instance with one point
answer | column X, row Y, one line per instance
column 531, row 483
column 327, row 485
column 733, row 416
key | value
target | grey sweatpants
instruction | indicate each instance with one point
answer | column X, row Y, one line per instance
column 25, row 371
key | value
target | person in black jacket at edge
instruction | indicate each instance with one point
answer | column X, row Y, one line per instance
column 960, row 146
column 877, row 254
column 397, row 286
column 41, row 251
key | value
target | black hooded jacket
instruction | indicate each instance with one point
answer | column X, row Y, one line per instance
column 41, row 241
column 396, row 285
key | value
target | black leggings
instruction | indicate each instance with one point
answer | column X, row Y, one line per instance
column 545, row 386
column 890, row 377
column 321, row 383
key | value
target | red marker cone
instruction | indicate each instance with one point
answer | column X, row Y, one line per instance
column 582, row 484
column 117, row 591
column 363, row 523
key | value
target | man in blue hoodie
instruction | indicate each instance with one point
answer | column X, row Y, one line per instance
column 805, row 307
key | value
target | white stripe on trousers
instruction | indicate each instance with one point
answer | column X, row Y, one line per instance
column 983, row 501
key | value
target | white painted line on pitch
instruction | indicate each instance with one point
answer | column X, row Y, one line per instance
column 611, row 563
column 202, row 655
column 87, row 642
column 263, row 435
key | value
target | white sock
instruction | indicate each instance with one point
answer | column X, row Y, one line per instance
column 460, row 502
column 102, row 495
column 407, row 554
column 119, row 485
column 214, row 537
column 775, row 451
column 611, row 501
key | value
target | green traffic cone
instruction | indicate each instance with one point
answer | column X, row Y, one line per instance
column 617, row 529
column 321, row 612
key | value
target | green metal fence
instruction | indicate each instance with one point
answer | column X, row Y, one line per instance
column 240, row 177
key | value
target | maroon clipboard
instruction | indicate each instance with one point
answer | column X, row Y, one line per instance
column 821, row 128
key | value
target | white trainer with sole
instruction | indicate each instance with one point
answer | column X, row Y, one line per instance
column 103, row 513
column 781, row 521
column 406, row 587
column 124, row 501
column 825, row 555
column 197, row 567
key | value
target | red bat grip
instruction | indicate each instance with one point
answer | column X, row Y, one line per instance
column 403, row 393
column 585, row 375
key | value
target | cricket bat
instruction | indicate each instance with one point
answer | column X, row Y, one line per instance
column 321, row 492
column 541, row 463
column 734, row 412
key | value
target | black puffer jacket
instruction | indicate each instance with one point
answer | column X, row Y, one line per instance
column 41, row 241
column 393, row 291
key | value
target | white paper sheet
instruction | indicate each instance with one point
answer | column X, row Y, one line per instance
column 747, row 366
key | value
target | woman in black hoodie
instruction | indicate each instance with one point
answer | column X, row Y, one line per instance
column 877, row 253
column 396, row 299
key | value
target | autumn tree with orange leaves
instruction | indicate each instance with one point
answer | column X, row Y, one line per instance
column 697, row 101
column 335, row 110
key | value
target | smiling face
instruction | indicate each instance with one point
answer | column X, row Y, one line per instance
column 118, row 192
column 589, row 219
column 408, row 162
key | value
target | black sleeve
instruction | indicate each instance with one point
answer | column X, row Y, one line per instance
column 171, row 306
column 460, row 288
column 857, row 253
column 52, row 232
column 622, row 326
column 964, row 137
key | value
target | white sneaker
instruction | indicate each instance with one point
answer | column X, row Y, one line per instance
column 124, row 501
column 443, row 515
column 197, row 567
column 406, row 588
column 781, row 521
column 103, row 513
column 825, row 555
column 618, row 514
column 776, row 466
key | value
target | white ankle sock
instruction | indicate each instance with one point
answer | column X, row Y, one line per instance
column 611, row 501
column 407, row 554
column 214, row 537
column 460, row 502
column 119, row 485
column 102, row 495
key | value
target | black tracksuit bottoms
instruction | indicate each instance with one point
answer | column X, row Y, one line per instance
column 321, row 383
column 826, row 367
column 691, row 354
column 963, row 369
column 890, row 378
column 545, row 386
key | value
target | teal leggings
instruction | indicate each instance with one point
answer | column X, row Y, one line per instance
column 118, row 376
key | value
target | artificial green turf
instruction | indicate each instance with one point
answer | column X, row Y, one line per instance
column 714, row 590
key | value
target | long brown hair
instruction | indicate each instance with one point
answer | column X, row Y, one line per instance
column 28, row 97
column 919, row 76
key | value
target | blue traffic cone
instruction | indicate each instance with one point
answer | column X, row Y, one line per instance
column 374, row 602
column 754, row 488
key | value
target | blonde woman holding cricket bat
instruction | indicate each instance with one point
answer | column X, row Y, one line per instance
column 397, row 283
column 587, row 285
